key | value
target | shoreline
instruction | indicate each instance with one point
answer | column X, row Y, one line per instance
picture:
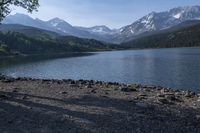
column 46, row 106
column 90, row 52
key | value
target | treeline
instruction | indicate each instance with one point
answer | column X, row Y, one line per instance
column 186, row 37
column 18, row 43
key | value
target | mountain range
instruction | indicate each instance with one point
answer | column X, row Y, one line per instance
column 149, row 24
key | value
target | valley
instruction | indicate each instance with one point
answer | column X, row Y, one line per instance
column 64, row 69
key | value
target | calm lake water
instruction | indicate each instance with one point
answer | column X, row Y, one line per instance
column 176, row 68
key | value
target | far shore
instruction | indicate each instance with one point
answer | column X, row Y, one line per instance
column 40, row 105
column 86, row 52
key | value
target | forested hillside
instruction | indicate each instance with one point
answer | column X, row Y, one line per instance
column 18, row 43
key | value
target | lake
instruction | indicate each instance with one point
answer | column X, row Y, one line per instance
column 175, row 68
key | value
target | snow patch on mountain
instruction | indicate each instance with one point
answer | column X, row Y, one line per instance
column 177, row 16
column 162, row 20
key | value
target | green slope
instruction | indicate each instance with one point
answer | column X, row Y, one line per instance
column 28, row 31
column 19, row 43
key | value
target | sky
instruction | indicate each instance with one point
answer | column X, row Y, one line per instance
column 112, row 13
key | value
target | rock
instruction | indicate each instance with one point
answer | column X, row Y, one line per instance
column 93, row 91
column 147, row 89
column 160, row 95
column 24, row 97
column 15, row 90
column 72, row 82
column 140, row 98
column 8, row 80
column 127, row 89
column 159, row 88
column 150, row 87
column 172, row 98
column 116, row 89
column 164, row 90
column 138, row 86
column 2, row 96
column 106, row 93
column 110, row 83
column 142, row 95
column 198, row 117
column 10, row 121
column 88, row 86
column 189, row 94
column 73, row 85
column 63, row 92
column 59, row 82
column 142, row 105
column 163, row 101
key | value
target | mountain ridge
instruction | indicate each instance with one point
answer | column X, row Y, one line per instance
column 154, row 21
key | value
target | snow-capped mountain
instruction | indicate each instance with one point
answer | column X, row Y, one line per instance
column 62, row 26
column 24, row 20
column 162, row 20
column 57, row 25
column 150, row 23
column 101, row 30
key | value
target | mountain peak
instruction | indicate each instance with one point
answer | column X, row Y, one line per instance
column 57, row 20
column 162, row 20
column 21, row 16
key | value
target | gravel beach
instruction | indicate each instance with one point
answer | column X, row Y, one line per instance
column 68, row 106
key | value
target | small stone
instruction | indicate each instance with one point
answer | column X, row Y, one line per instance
column 88, row 86
column 106, row 93
column 163, row 101
column 147, row 89
column 24, row 97
column 142, row 95
column 15, row 90
column 142, row 105
column 10, row 121
column 73, row 82
column 198, row 117
column 160, row 95
column 127, row 89
column 164, row 90
column 115, row 89
column 73, row 85
column 63, row 92
column 93, row 91
column 172, row 98
column 189, row 94
column 8, row 80
column 130, row 101
column 2, row 96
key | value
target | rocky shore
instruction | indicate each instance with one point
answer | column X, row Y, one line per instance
column 67, row 106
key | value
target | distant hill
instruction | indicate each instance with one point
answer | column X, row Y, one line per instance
column 28, row 31
column 18, row 43
column 184, row 35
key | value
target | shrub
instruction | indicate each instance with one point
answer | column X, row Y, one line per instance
column 4, row 49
